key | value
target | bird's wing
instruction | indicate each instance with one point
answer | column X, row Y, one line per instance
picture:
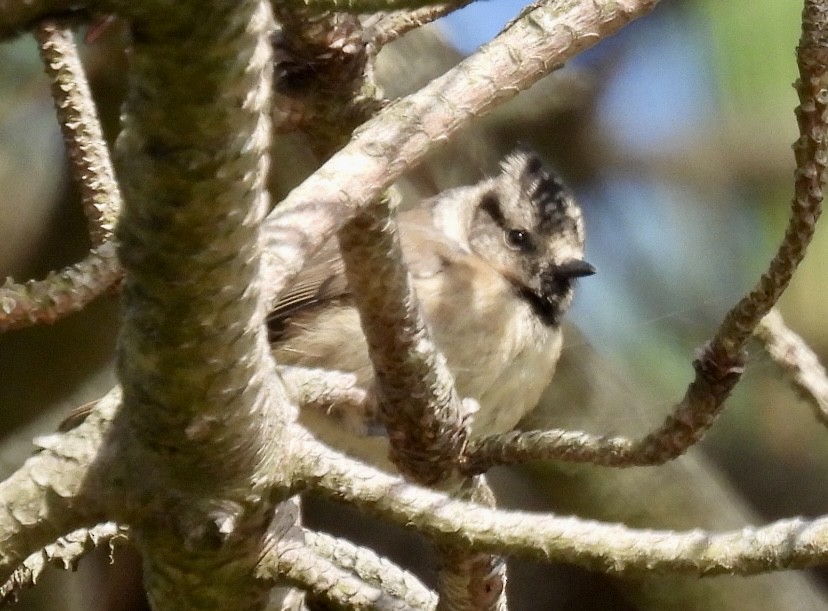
column 322, row 280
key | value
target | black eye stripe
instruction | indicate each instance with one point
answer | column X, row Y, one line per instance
column 490, row 203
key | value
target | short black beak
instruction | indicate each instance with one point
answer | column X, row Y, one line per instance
column 574, row 268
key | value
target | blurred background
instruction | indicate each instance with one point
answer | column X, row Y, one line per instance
column 675, row 135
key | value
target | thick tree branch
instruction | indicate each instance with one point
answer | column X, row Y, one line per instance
column 203, row 407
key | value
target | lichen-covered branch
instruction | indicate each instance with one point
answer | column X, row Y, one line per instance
column 342, row 574
column 414, row 388
column 61, row 293
column 400, row 135
column 88, row 153
column 797, row 360
column 610, row 548
column 54, row 492
column 372, row 569
column 65, row 553
column 203, row 408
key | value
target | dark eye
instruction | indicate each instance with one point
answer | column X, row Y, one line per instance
column 519, row 239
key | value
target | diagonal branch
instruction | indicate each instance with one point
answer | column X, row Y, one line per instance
column 384, row 28
column 88, row 153
column 372, row 569
column 797, row 360
column 413, row 386
column 340, row 573
column 400, row 135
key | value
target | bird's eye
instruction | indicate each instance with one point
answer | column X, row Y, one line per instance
column 518, row 239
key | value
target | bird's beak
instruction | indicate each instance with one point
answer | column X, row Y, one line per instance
column 574, row 268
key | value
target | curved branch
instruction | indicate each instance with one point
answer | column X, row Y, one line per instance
column 60, row 293
column 811, row 151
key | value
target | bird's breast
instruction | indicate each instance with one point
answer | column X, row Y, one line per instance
column 499, row 351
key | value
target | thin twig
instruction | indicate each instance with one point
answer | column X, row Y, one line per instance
column 88, row 153
column 384, row 28
column 797, row 360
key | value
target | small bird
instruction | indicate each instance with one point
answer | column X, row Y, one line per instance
column 493, row 265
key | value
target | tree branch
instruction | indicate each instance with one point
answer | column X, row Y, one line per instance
column 811, row 151
column 372, row 569
column 401, row 134
column 609, row 548
column 414, row 388
column 340, row 573
column 50, row 494
column 797, row 360
column 65, row 553
column 60, row 293
column 88, row 153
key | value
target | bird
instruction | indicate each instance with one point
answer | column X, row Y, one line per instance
column 494, row 266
